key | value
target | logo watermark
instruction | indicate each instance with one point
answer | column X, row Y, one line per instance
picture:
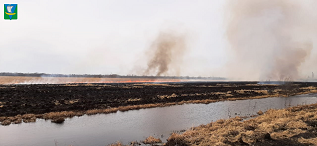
column 10, row 11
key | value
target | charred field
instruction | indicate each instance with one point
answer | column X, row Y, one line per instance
column 26, row 102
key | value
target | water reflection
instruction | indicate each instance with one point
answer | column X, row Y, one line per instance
column 138, row 124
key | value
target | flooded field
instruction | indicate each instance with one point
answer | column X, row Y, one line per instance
column 136, row 125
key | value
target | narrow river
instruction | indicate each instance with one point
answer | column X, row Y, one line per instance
column 136, row 125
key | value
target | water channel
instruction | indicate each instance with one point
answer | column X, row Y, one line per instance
column 136, row 125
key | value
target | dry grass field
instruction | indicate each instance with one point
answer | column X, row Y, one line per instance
column 294, row 126
column 291, row 126
column 65, row 80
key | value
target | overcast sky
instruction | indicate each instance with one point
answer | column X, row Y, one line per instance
column 108, row 36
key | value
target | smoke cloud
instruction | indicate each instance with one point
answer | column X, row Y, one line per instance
column 268, row 40
column 165, row 54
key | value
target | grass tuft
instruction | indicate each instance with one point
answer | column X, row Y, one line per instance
column 152, row 140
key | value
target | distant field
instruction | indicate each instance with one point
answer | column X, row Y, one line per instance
column 64, row 80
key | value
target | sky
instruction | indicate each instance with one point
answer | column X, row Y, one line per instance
column 110, row 36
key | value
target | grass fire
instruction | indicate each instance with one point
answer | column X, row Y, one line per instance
column 172, row 73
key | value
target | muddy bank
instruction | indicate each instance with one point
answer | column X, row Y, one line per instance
column 25, row 103
column 291, row 126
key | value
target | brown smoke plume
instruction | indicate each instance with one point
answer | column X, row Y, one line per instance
column 270, row 39
column 166, row 53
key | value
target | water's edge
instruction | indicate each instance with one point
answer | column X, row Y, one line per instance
column 135, row 125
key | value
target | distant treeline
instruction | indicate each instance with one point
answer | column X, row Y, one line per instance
column 105, row 76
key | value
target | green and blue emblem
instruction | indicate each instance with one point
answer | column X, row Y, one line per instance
column 10, row 11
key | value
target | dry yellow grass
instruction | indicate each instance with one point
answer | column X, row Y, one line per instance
column 134, row 99
column 152, row 140
column 260, row 112
column 292, row 126
column 64, row 114
column 73, row 80
column 71, row 101
column 148, row 141
column 116, row 144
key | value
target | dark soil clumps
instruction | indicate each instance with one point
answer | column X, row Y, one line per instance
column 58, row 120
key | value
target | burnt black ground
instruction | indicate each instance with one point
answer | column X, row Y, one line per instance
column 44, row 98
